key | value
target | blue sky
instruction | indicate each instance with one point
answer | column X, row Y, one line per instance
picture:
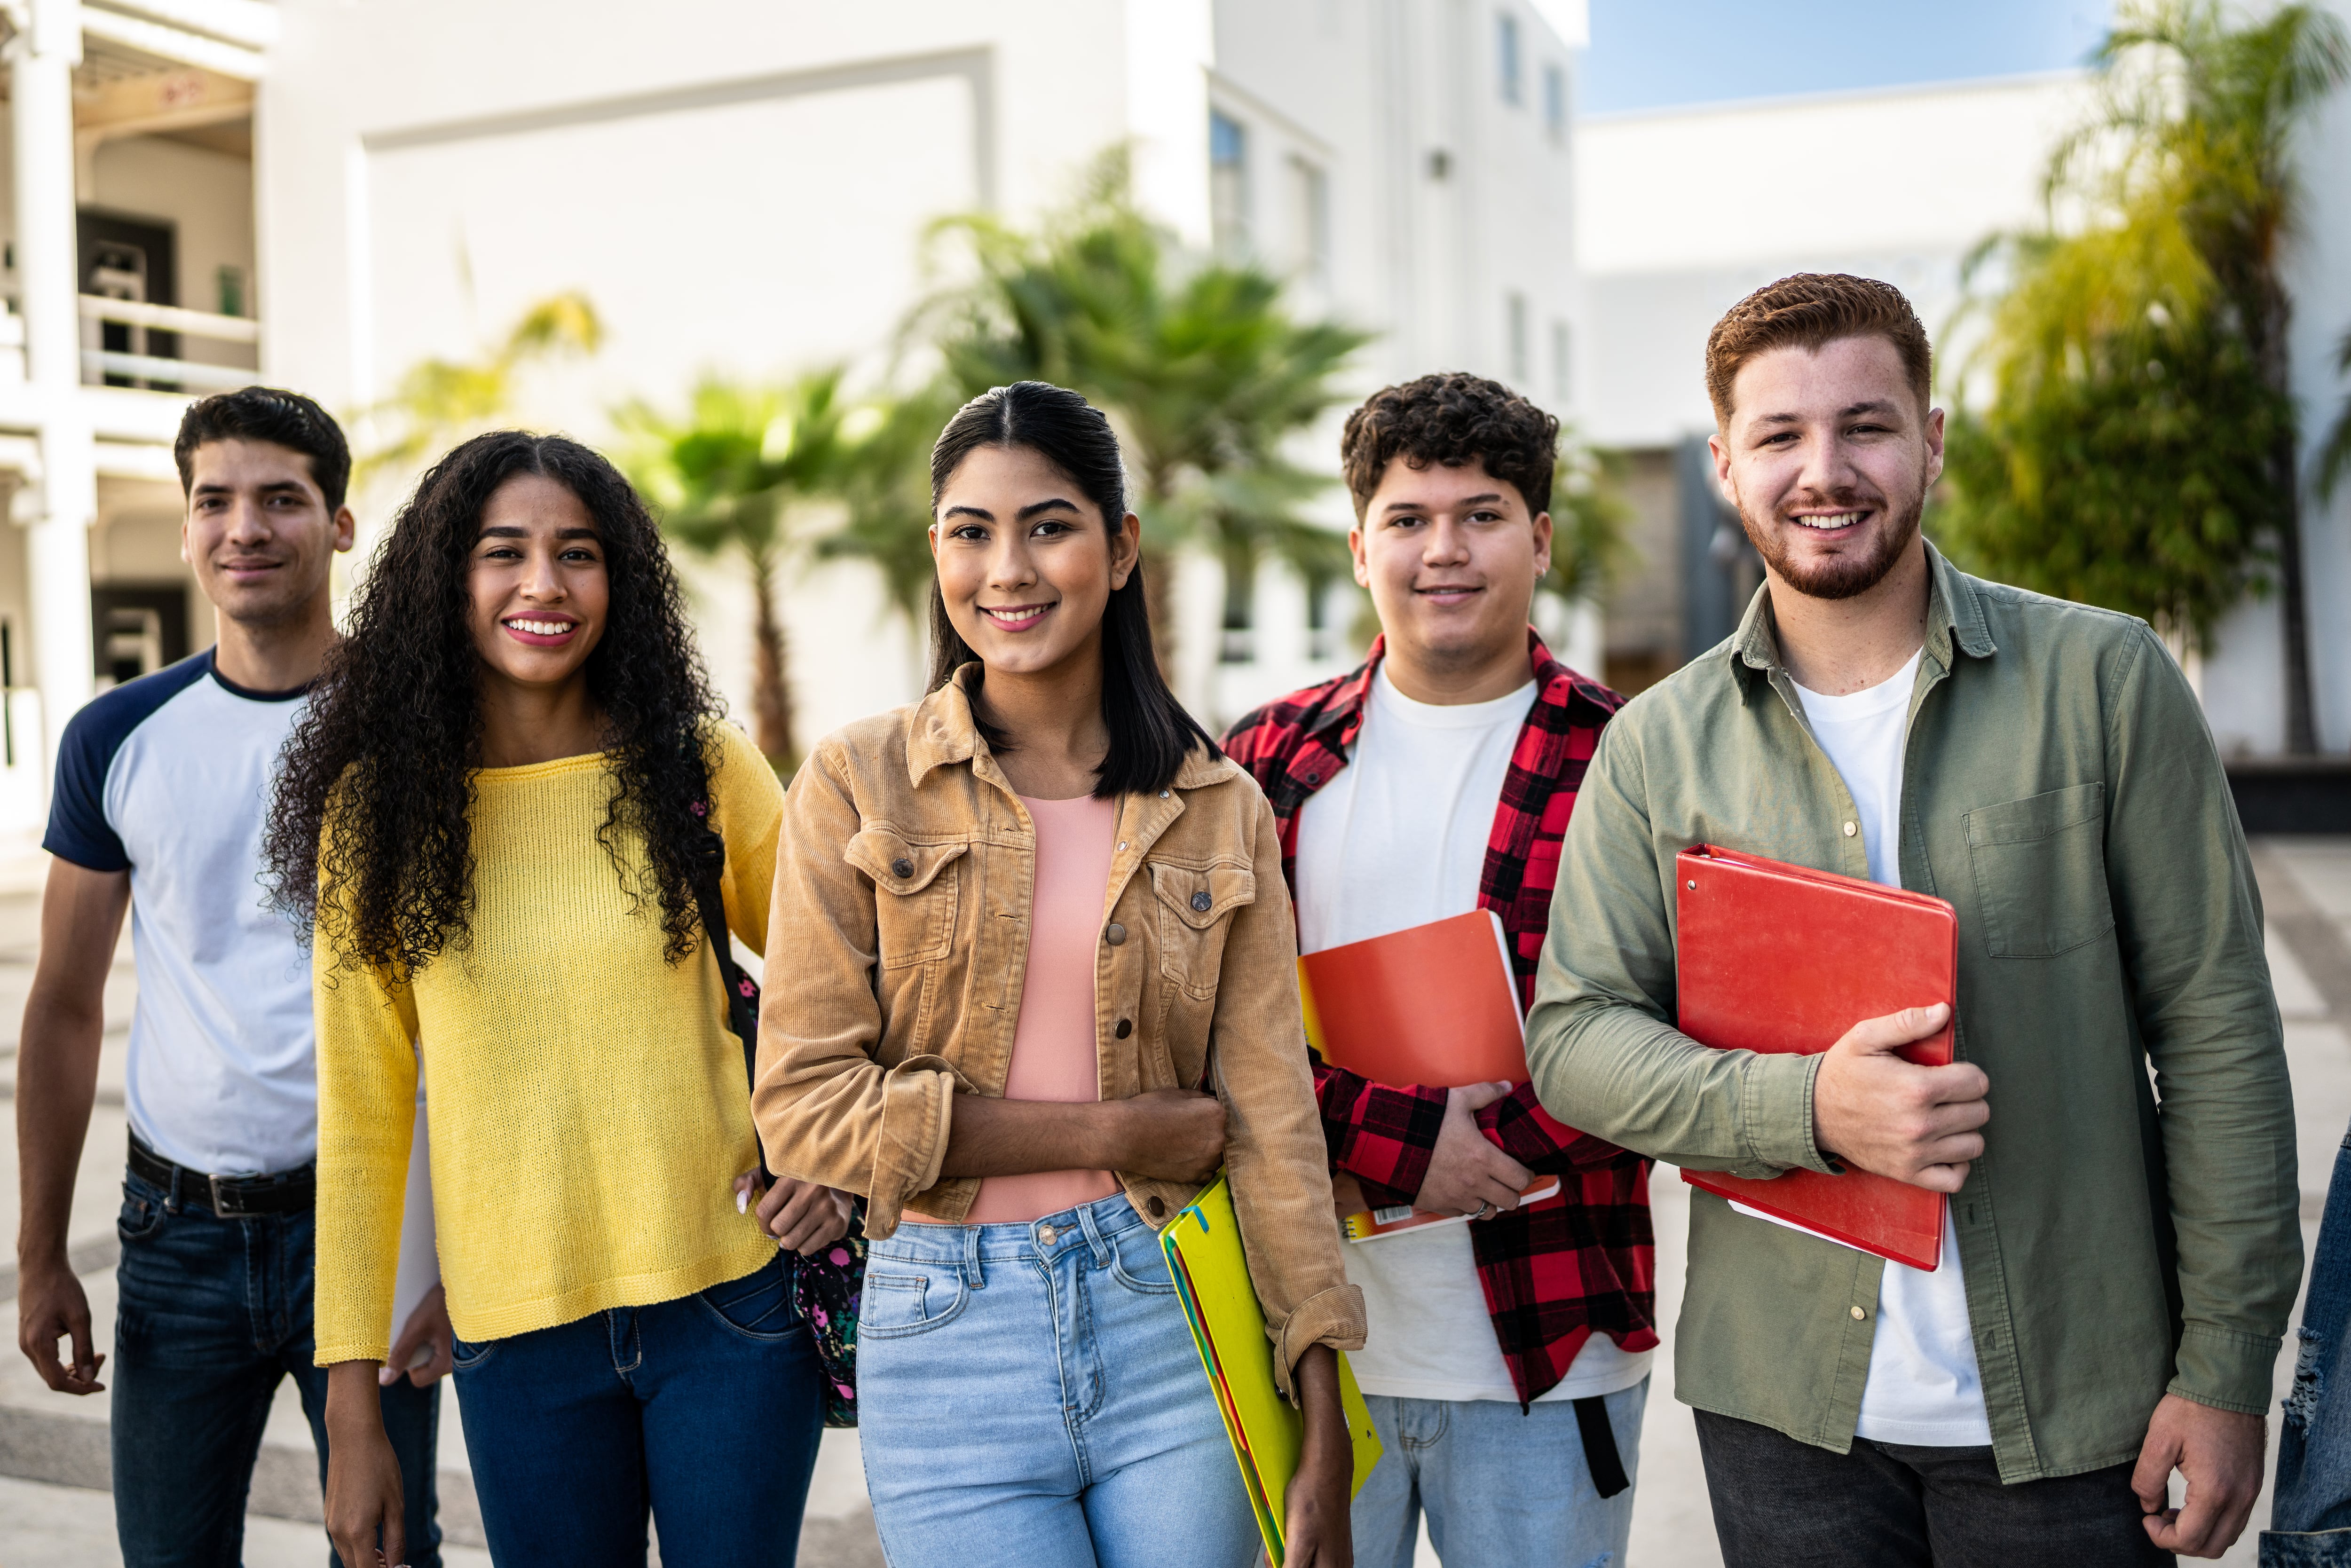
column 1652, row 54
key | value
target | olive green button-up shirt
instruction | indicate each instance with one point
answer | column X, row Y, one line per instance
column 2119, row 1237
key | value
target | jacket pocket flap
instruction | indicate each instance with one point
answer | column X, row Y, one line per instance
column 897, row 866
column 1202, row 897
column 2036, row 817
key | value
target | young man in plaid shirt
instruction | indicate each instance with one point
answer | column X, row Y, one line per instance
column 1436, row 780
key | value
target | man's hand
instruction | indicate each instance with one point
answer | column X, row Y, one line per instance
column 1466, row 1171
column 425, row 1345
column 2220, row 1454
column 1316, row 1530
column 1917, row 1124
column 364, row 1518
column 50, row 1306
column 803, row 1215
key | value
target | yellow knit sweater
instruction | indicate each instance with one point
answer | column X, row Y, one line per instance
column 588, row 1108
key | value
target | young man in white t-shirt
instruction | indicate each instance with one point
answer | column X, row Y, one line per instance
column 1507, row 1360
column 164, row 784
column 2121, row 1246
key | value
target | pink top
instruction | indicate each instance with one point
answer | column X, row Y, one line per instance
column 1054, row 1048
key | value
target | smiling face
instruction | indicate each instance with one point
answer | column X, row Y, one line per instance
column 1452, row 556
column 1828, row 456
column 536, row 584
column 258, row 531
column 1027, row 564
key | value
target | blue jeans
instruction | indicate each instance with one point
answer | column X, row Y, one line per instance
column 1499, row 1486
column 211, row 1313
column 706, row 1409
column 1029, row 1397
column 2310, row 1511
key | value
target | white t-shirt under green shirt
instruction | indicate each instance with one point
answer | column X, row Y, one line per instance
column 1398, row 839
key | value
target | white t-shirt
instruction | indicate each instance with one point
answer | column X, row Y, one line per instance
column 1923, row 1387
column 1398, row 839
column 169, row 777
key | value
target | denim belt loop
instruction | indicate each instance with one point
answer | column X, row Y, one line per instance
column 974, row 1274
column 1094, row 1237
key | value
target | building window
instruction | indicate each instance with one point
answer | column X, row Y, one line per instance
column 1516, row 305
column 1228, row 192
column 1311, row 203
column 1563, row 363
column 1237, row 644
column 1506, row 44
column 1556, row 103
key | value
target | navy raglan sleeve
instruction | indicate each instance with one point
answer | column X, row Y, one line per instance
column 78, row 830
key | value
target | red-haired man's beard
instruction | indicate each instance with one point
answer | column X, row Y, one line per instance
column 1850, row 567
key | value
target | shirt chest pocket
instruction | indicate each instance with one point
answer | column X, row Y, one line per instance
column 915, row 892
column 2040, row 867
column 1196, row 907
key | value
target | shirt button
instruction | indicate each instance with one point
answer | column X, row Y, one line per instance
column 1200, row 903
column 1125, row 1027
column 902, row 867
column 1858, row 1314
column 1314, row 779
column 1850, row 829
column 1114, row 934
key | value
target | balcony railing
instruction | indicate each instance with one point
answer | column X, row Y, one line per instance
column 189, row 374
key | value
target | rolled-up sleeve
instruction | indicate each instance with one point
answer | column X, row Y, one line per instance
column 826, row 1110
column 1599, row 1048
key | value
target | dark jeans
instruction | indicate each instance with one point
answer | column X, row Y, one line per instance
column 1779, row 1504
column 706, row 1409
column 211, row 1313
column 2310, row 1513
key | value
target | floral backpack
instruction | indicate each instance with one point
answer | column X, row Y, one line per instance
column 825, row 1287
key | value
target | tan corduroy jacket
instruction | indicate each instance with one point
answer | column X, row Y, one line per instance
column 899, row 942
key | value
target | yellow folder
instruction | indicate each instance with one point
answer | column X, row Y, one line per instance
column 1203, row 1245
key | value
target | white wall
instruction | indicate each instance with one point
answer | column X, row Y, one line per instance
column 1679, row 215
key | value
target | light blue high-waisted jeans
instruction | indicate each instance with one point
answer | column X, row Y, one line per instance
column 1029, row 1397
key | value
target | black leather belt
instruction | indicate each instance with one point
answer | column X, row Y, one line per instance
column 231, row 1197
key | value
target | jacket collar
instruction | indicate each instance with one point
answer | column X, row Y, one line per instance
column 941, row 731
column 1955, row 619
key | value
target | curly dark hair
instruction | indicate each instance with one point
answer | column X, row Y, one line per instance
column 385, row 758
column 1451, row 418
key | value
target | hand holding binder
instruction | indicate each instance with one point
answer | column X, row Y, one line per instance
column 1868, row 1102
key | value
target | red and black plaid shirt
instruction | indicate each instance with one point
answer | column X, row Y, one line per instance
column 1559, row 1269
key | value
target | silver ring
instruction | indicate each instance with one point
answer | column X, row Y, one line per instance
column 1484, row 1210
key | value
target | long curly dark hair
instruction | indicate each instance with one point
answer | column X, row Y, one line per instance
column 383, row 762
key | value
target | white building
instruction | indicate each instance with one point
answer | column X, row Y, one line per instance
column 1681, row 213
column 322, row 192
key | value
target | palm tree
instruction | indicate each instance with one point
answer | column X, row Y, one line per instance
column 439, row 402
column 883, row 481
column 734, row 475
column 1206, row 374
column 2140, row 449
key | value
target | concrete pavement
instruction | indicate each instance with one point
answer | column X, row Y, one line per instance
column 54, row 1512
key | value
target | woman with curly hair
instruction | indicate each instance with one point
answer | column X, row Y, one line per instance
column 493, row 813
column 1043, row 982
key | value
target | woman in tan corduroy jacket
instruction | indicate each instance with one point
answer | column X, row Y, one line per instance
column 1032, row 978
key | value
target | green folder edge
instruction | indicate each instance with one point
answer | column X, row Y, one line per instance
column 1208, row 1222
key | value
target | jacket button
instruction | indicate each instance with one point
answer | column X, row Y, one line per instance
column 1200, row 903
column 1157, row 1207
column 902, row 867
column 1858, row 1314
column 1114, row 934
column 1125, row 1027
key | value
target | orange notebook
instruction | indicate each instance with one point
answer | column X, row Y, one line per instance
column 1779, row 957
column 1434, row 1004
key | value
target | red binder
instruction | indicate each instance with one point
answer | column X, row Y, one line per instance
column 1779, row 957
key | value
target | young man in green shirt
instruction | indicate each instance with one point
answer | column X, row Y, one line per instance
column 2120, row 1257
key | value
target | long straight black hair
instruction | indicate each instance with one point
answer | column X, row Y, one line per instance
column 1150, row 731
